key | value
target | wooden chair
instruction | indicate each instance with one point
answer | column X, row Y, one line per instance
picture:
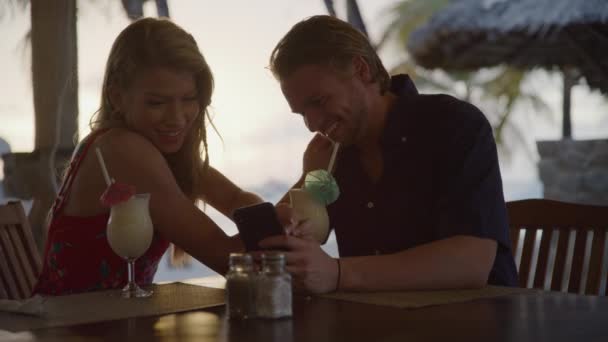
column 19, row 258
column 564, row 245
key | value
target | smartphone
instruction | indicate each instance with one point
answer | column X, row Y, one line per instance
column 257, row 222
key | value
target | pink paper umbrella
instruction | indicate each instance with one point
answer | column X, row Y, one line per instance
column 117, row 193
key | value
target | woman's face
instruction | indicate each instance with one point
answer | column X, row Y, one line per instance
column 161, row 104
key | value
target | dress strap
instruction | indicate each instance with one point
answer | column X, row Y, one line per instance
column 70, row 173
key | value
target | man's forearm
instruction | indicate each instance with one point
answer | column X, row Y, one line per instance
column 455, row 262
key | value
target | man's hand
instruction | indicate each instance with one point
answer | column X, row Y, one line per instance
column 311, row 268
column 317, row 153
column 292, row 223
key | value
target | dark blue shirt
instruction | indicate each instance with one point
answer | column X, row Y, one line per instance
column 440, row 179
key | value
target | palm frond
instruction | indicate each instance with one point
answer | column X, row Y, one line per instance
column 407, row 15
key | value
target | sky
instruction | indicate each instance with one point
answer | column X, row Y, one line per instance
column 261, row 142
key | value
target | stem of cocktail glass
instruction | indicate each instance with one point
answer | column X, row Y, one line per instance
column 132, row 290
column 131, row 263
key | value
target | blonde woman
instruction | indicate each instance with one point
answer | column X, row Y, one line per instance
column 151, row 129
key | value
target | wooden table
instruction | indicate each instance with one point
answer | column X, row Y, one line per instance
column 522, row 317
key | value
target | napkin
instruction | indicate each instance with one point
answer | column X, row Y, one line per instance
column 32, row 306
column 8, row 336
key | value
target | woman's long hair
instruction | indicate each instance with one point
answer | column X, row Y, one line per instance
column 150, row 43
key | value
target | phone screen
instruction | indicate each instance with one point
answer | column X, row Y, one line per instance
column 257, row 222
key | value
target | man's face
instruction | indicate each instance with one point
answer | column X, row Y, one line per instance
column 332, row 103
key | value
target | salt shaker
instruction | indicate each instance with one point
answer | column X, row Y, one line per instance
column 240, row 286
column 273, row 288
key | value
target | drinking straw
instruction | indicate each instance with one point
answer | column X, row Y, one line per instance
column 106, row 176
column 332, row 159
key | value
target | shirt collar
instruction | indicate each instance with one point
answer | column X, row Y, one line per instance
column 395, row 127
column 394, row 133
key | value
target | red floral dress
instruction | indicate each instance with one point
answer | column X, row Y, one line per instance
column 77, row 256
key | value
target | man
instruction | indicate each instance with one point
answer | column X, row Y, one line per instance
column 421, row 204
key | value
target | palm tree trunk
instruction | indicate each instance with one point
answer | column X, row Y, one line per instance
column 354, row 17
column 329, row 4
column 55, row 90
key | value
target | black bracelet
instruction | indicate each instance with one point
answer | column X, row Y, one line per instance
column 339, row 271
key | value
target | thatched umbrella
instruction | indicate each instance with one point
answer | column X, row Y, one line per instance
column 569, row 35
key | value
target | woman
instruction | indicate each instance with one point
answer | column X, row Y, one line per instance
column 151, row 131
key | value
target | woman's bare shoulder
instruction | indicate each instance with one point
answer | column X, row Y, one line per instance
column 130, row 153
column 128, row 146
column 122, row 138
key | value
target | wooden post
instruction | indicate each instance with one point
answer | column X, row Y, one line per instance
column 55, row 89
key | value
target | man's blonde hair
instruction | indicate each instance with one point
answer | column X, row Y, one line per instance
column 327, row 41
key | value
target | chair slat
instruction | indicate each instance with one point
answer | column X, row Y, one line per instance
column 8, row 281
column 20, row 261
column 3, row 293
column 514, row 235
column 543, row 259
column 24, row 260
column 595, row 262
column 14, row 264
column 8, row 215
column 526, row 257
column 578, row 259
column 28, row 239
column 560, row 260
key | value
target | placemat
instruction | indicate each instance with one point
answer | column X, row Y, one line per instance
column 101, row 306
column 418, row 299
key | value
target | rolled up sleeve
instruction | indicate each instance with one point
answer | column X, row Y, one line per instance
column 470, row 200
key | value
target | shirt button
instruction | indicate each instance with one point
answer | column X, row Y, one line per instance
column 370, row 204
column 403, row 139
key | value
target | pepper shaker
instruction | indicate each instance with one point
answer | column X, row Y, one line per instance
column 240, row 286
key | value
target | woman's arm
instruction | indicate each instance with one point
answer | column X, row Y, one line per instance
column 222, row 194
column 132, row 159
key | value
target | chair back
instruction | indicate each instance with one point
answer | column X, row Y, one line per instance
column 560, row 246
column 19, row 257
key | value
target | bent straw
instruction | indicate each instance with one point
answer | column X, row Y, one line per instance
column 106, row 176
column 332, row 159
